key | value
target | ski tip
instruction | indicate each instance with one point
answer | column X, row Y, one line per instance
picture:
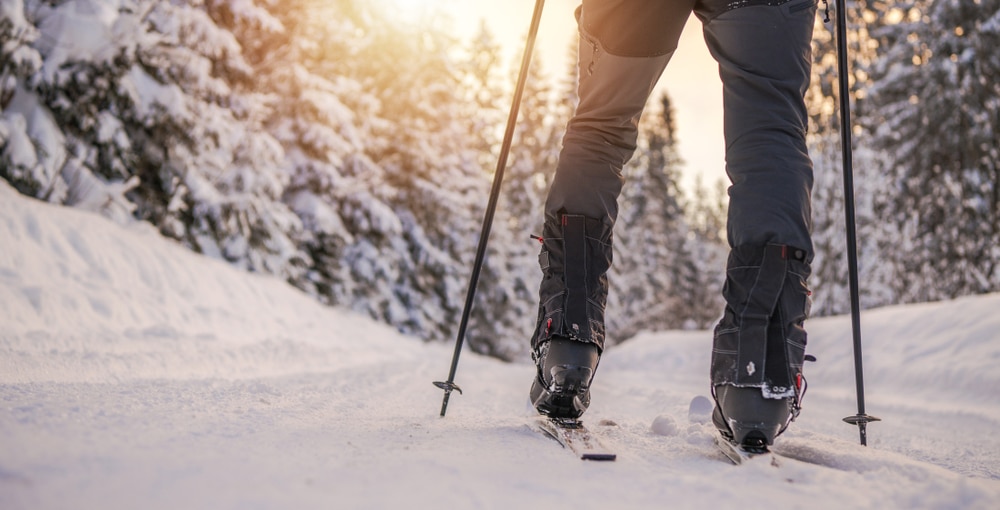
column 572, row 434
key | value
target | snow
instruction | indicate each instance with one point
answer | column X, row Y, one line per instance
column 136, row 374
column 19, row 147
column 76, row 31
column 31, row 123
column 152, row 96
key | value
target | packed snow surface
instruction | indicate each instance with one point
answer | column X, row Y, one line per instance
column 136, row 374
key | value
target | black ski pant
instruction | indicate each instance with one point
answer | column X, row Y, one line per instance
column 763, row 51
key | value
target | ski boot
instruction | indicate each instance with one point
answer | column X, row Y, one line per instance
column 748, row 420
column 565, row 370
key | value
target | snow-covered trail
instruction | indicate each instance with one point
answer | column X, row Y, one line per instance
column 134, row 374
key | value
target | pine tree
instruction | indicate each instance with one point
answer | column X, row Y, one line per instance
column 322, row 116
column 145, row 111
column 534, row 153
column 67, row 97
column 432, row 180
column 829, row 279
column 703, row 272
column 506, row 295
column 935, row 111
column 650, row 234
column 21, row 160
column 484, row 83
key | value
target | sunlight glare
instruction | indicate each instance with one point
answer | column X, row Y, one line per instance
column 410, row 10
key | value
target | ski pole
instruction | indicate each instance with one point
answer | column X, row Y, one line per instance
column 484, row 236
column 861, row 419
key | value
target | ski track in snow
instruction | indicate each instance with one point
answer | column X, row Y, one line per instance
column 135, row 374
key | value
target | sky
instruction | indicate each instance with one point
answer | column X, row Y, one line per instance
column 691, row 79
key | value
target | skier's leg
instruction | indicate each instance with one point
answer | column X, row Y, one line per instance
column 763, row 51
column 764, row 57
column 624, row 47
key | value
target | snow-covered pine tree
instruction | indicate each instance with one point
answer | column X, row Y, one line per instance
column 699, row 280
column 485, row 82
column 322, row 116
column 650, row 233
column 534, row 153
column 142, row 109
column 432, row 179
column 22, row 158
column 61, row 94
column 829, row 280
column 215, row 181
column 935, row 110
column 506, row 297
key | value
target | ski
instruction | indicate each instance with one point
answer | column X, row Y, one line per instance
column 572, row 434
column 739, row 455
